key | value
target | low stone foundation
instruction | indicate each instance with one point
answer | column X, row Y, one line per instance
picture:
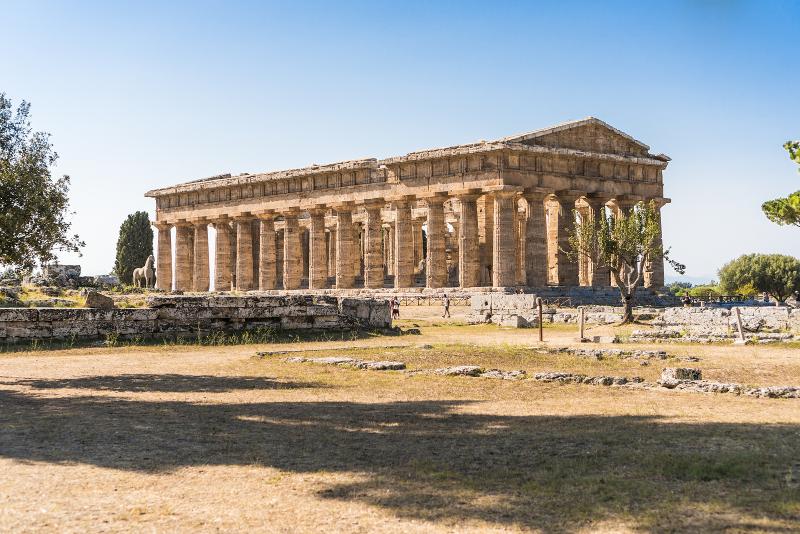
column 173, row 316
column 760, row 325
column 521, row 311
column 561, row 296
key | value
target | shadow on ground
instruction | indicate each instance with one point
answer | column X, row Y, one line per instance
column 430, row 460
column 174, row 383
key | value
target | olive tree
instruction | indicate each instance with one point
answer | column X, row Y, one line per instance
column 34, row 205
column 775, row 274
column 624, row 243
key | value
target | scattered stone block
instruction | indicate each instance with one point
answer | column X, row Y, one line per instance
column 382, row 366
column 98, row 300
column 503, row 375
column 460, row 370
column 681, row 373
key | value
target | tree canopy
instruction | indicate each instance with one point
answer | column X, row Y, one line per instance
column 786, row 210
column 625, row 243
column 775, row 274
column 34, row 205
column 134, row 245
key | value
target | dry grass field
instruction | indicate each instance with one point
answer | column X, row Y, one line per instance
column 207, row 439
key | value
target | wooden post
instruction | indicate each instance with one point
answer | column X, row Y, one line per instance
column 539, row 306
column 581, row 322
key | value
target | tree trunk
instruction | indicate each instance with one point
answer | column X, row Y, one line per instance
column 627, row 309
column 626, row 293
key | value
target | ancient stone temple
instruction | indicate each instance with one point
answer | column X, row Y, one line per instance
column 491, row 213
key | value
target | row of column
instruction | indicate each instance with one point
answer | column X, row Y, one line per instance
column 522, row 250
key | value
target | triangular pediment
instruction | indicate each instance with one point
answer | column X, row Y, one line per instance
column 588, row 134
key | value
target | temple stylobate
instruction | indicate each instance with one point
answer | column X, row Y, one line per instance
column 491, row 213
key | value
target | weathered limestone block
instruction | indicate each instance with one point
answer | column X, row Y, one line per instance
column 18, row 314
column 98, row 300
column 673, row 374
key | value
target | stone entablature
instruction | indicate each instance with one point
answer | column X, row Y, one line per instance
column 523, row 188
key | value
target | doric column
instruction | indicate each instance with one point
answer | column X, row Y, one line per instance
column 292, row 252
column 332, row 252
column 599, row 275
column 566, row 271
column 345, row 279
column 504, row 254
column 267, row 267
column 390, row 246
column 624, row 204
column 317, row 251
column 244, row 253
column 535, row 240
column 437, row 258
column 654, row 270
column 469, row 264
column 357, row 249
column 486, row 237
column 373, row 258
column 416, row 239
column 584, row 277
column 403, row 245
column 519, row 227
column 223, row 257
column 200, row 278
column 183, row 257
column 164, row 265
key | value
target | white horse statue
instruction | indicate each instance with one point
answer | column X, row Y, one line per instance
column 145, row 274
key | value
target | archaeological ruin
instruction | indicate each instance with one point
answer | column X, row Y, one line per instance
column 486, row 214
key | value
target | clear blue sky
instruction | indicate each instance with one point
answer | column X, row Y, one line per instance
column 140, row 95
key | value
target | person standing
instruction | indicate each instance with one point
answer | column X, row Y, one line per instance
column 446, row 303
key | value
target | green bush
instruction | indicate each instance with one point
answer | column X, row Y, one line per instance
column 775, row 274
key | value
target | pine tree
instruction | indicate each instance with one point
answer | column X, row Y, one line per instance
column 134, row 245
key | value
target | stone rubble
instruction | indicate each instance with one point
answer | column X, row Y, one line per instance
column 761, row 325
column 672, row 378
column 350, row 362
column 599, row 354
column 584, row 379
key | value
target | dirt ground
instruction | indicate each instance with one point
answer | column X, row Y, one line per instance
column 208, row 439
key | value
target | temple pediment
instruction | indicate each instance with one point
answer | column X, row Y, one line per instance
column 588, row 134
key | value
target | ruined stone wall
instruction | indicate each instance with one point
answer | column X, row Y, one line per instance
column 723, row 321
column 521, row 311
column 169, row 317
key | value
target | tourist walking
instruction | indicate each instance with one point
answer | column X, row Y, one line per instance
column 446, row 303
column 395, row 308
